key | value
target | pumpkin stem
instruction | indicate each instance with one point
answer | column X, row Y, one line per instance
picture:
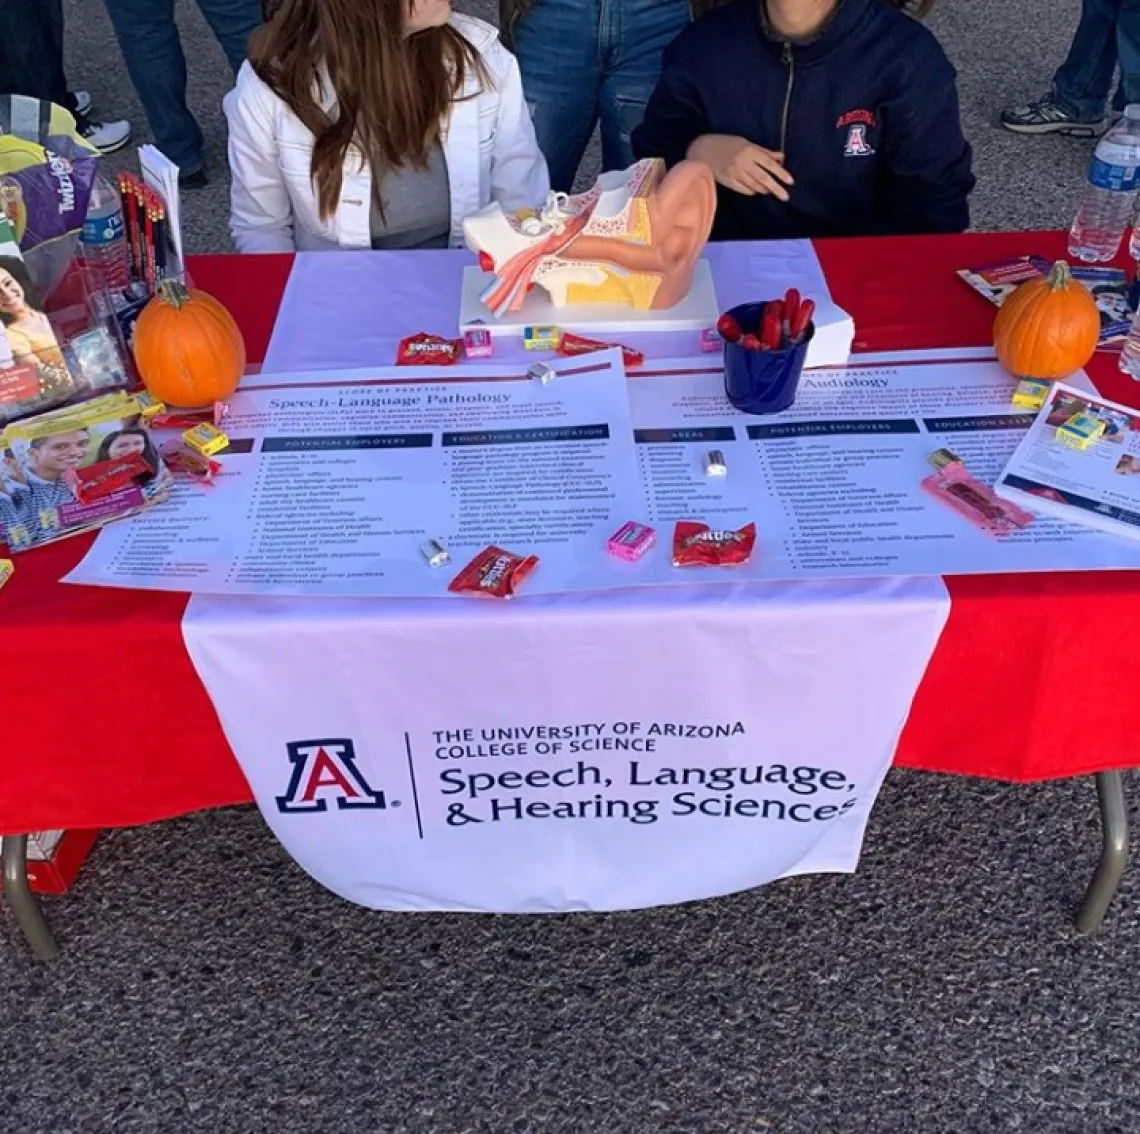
column 176, row 294
column 1060, row 277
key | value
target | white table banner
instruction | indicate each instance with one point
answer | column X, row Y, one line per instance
column 580, row 752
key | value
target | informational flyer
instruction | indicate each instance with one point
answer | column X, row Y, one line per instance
column 333, row 482
column 1080, row 461
column 835, row 485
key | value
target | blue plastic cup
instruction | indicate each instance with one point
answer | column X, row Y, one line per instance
column 762, row 381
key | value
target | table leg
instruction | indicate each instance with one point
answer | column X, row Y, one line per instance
column 22, row 902
column 1113, row 854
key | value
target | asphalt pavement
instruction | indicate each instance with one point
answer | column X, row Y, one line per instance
column 207, row 984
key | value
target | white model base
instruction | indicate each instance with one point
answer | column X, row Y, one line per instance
column 834, row 334
column 695, row 312
column 831, row 346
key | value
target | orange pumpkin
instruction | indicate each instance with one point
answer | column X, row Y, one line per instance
column 188, row 348
column 1048, row 327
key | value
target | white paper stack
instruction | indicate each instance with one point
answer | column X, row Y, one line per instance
column 161, row 174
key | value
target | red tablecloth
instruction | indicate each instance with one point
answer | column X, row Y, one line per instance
column 106, row 722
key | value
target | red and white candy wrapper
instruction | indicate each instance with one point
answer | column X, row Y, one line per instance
column 188, row 419
column 493, row 573
column 106, row 477
column 572, row 345
column 428, row 350
column 185, row 462
column 698, row 545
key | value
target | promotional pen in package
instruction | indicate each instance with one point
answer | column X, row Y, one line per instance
column 954, row 484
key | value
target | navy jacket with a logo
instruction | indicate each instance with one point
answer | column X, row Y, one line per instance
column 866, row 115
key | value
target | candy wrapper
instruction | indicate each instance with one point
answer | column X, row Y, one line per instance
column 698, row 545
column 107, row 477
column 631, row 541
column 185, row 462
column 205, row 439
column 493, row 573
column 477, row 343
column 165, row 418
column 572, row 345
column 428, row 350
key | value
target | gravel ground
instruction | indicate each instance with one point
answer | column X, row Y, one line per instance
column 208, row 985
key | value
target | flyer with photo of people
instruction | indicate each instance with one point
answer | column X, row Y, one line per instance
column 76, row 469
column 33, row 374
column 1090, row 480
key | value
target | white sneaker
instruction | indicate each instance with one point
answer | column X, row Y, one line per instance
column 107, row 137
column 83, row 102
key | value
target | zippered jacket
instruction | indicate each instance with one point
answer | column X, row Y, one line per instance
column 865, row 113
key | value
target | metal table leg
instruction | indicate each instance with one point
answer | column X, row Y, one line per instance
column 21, row 900
column 1113, row 854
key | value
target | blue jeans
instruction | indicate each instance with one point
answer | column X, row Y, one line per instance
column 31, row 50
column 1108, row 34
column 585, row 60
column 149, row 41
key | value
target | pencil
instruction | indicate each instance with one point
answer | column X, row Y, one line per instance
column 140, row 232
column 160, row 243
column 150, row 260
column 130, row 217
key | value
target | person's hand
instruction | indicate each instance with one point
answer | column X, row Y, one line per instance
column 739, row 165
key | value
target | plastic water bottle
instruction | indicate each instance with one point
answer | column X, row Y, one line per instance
column 1106, row 205
column 103, row 239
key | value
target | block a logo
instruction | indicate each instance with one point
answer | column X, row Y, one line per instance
column 324, row 770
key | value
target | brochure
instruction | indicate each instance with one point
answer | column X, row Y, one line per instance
column 1080, row 461
column 33, row 374
column 1109, row 287
column 75, row 469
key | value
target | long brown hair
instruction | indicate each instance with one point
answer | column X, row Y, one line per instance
column 391, row 92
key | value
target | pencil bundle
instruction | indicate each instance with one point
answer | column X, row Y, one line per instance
column 145, row 219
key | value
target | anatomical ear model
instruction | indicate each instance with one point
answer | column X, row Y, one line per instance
column 632, row 239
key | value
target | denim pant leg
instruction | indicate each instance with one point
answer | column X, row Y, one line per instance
column 232, row 21
column 633, row 40
column 31, row 49
column 1128, row 52
column 1083, row 82
column 557, row 46
column 149, row 41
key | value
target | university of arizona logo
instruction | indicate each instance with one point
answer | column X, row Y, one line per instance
column 857, row 123
column 324, row 770
column 857, row 144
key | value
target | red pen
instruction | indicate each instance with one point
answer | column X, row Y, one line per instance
column 770, row 330
column 792, row 301
column 799, row 323
column 728, row 328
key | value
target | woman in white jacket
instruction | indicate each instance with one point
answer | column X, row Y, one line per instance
column 375, row 124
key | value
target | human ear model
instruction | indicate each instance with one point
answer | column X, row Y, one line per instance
column 632, row 239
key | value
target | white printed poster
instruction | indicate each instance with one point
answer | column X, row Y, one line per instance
column 835, row 484
column 333, row 482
